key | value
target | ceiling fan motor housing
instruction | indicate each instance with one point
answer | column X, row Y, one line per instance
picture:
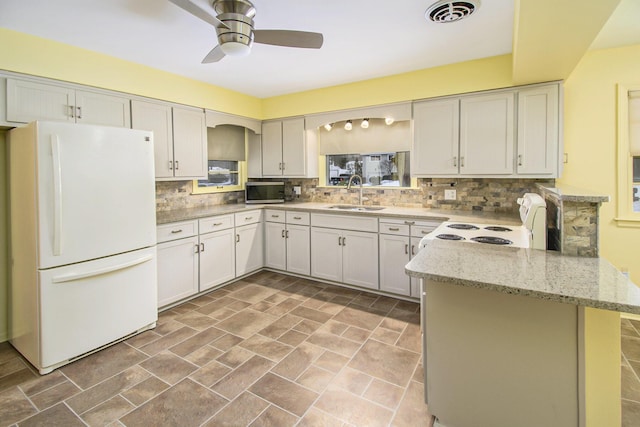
column 237, row 15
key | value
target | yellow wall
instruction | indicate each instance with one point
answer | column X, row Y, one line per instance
column 481, row 74
column 34, row 55
column 590, row 139
column 4, row 232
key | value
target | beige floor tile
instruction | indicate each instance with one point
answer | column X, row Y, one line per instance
column 235, row 356
column 266, row 347
column 630, row 414
column 17, row 377
column 60, row 413
column 630, row 384
column 311, row 314
column 631, row 347
column 107, row 412
column 246, row 323
column 145, row 390
column 297, row 361
column 359, row 317
column 14, row 406
column 384, row 393
column 41, row 383
column 314, row 418
column 242, row 377
column 253, row 293
column 331, row 361
column 334, row 343
column 353, row 381
column 275, row 417
column 386, row 362
column 293, row 338
column 315, row 378
column 353, row 409
column 284, row 393
column 412, row 411
column 168, row 340
column 240, row 412
column 196, row 320
column 197, row 341
column 210, row 374
column 203, row 355
column 169, row 367
column 54, row 395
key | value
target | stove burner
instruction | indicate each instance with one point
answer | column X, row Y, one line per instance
column 463, row 226
column 497, row 228
column 492, row 240
column 449, row 237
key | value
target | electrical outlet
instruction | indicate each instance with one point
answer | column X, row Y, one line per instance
column 449, row 194
column 297, row 190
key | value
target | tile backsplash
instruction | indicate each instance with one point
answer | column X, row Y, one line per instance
column 479, row 194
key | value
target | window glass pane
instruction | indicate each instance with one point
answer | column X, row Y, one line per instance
column 221, row 173
column 636, row 184
column 380, row 169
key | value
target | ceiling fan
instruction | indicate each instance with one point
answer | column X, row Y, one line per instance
column 234, row 25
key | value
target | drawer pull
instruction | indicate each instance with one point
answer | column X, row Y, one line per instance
column 217, row 224
column 247, row 218
column 409, row 222
column 297, row 217
column 406, row 249
column 413, row 249
column 394, row 229
column 176, row 231
column 275, row 216
column 425, row 231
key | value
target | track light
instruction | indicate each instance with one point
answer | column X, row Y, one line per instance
column 328, row 126
column 348, row 125
column 364, row 124
column 389, row 121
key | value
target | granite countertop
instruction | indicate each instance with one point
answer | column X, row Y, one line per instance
column 573, row 194
column 420, row 214
column 590, row 282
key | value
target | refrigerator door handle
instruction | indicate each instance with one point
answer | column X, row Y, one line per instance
column 57, row 195
column 101, row 271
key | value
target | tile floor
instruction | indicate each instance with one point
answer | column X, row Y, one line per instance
column 269, row 350
column 630, row 331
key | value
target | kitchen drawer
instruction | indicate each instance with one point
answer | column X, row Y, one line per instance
column 301, row 218
column 215, row 223
column 345, row 222
column 274, row 215
column 248, row 217
column 422, row 228
column 392, row 228
column 176, row 230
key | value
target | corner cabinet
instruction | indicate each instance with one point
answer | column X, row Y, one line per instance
column 180, row 138
column 287, row 150
column 29, row 100
column 287, row 241
column 502, row 133
column 249, row 242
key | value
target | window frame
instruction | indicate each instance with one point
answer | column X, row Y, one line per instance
column 242, row 177
column 322, row 177
column 626, row 217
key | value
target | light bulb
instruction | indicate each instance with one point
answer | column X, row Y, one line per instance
column 235, row 49
column 348, row 125
column 389, row 121
column 364, row 124
column 328, row 126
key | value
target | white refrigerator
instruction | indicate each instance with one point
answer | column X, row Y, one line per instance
column 83, row 239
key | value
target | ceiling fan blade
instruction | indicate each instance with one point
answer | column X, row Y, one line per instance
column 215, row 55
column 200, row 13
column 289, row 38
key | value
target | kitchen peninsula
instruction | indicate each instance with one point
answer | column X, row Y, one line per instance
column 519, row 336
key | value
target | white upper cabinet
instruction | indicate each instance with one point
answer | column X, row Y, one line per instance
column 486, row 134
column 538, row 131
column 30, row 100
column 435, row 130
column 285, row 150
column 179, row 138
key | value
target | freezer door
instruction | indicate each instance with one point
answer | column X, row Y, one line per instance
column 86, row 306
column 95, row 190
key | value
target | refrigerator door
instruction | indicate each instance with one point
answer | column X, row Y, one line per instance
column 88, row 305
column 96, row 192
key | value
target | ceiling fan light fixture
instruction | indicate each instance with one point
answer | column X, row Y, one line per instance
column 235, row 49
column 364, row 124
column 328, row 126
column 389, row 121
column 348, row 125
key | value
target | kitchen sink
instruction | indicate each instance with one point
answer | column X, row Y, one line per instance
column 356, row 208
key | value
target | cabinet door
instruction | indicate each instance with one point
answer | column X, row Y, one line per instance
column 272, row 148
column 189, row 143
column 254, row 155
column 156, row 118
column 360, row 259
column 102, row 109
column 435, row 137
column 538, row 131
column 486, row 134
column 275, row 255
column 177, row 270
column 298, row 249
column 394, row 255
column 28, row 101
column 415, row 282
column 294, row 151
column 326, row 254
column 249, row 248
column 217, row 258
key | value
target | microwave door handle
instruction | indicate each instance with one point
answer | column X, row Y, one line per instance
column 57, row 195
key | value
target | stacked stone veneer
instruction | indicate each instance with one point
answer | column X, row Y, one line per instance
column 479, row 194
column 577, row 221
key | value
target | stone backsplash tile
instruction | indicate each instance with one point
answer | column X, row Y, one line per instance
column 177, row 195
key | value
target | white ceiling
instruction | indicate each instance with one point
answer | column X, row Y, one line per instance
column 363, row 39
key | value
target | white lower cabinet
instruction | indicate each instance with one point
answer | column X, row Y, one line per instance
column 177, row 261
column 249, row 242
column 288, row 241
column 399, row 241
column 217, row 258
column 346, row 256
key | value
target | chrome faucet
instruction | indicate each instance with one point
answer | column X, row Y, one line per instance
column 349, row 186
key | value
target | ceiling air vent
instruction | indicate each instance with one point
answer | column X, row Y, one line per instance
column 451, row 11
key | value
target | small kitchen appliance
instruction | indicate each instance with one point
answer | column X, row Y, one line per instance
column 264, row 192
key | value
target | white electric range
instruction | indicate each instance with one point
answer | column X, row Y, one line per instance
column 532, row 233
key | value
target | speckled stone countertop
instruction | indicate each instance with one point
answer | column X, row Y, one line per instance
column 590, row 282
column 164, row 217
column 573, row 194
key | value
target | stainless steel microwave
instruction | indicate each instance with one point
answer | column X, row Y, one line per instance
column 264, row 192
